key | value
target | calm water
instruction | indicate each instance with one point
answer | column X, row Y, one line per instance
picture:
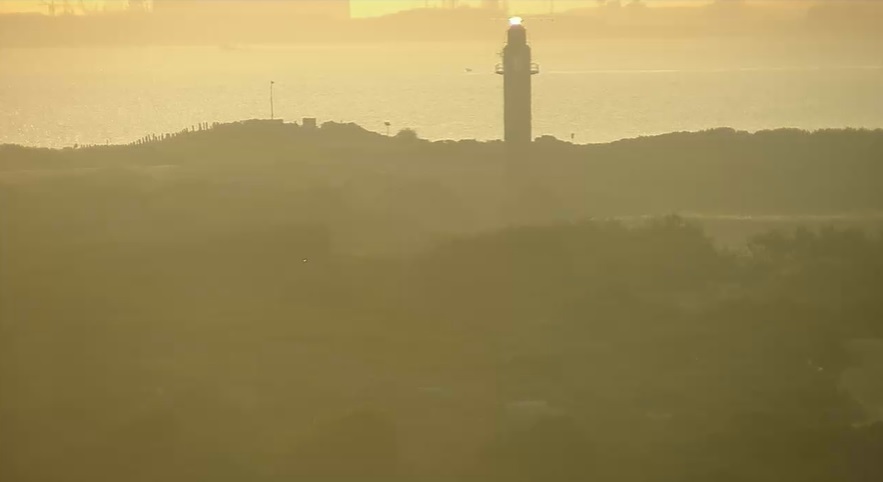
column 600, row 91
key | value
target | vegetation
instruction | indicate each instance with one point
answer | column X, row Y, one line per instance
column 352, row 312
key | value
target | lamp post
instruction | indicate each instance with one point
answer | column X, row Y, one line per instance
column 387, row 124
column 271, row 100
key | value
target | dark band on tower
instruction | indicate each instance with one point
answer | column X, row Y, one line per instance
column 517, row 69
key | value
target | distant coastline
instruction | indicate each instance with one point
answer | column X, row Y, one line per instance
column 857, row 20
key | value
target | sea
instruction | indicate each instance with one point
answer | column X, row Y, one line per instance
column 590, row 92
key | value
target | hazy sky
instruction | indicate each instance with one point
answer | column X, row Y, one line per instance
column 359, row 7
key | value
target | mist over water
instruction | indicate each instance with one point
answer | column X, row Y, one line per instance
column 600, row 91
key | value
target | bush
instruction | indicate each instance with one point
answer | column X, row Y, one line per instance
column 407, row 134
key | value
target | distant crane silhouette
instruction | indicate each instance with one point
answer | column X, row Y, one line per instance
column 137, row 5
column 496, row 5
column 50, row 7
column 86, row 10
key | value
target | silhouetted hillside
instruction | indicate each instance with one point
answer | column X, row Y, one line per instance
column 377, row 193
column 267, row 302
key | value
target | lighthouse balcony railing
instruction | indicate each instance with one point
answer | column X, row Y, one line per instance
column 534, row 69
